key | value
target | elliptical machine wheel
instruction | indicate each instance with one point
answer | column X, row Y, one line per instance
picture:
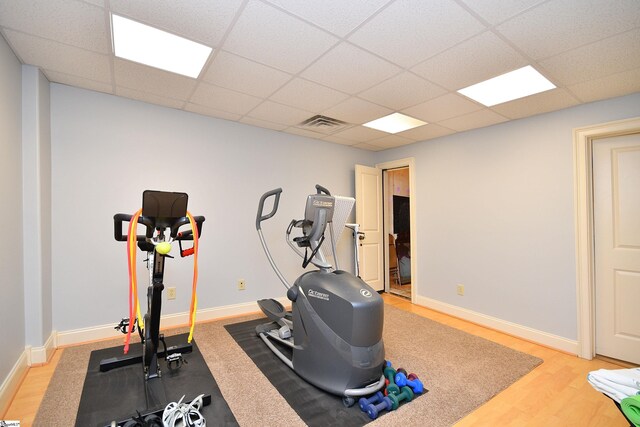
column 348, row 401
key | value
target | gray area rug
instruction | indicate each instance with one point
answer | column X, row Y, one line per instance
column 460, row 370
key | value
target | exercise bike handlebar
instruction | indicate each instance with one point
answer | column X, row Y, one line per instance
column 188, row 234
column 260, row 217
column 149, row 223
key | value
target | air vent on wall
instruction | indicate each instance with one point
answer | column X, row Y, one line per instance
column 323, row 124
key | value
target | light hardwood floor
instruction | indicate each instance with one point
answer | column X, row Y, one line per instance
column 555, row 393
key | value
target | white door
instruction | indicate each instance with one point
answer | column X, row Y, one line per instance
column 616, row 192
column 369, row 216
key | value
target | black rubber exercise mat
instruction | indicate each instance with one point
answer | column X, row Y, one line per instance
column 117, row 394
column 314, row 406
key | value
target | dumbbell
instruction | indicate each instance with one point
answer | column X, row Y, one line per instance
column 374, row 409
column 390, row 373
column 364, row 402
column 405, row 394
column 412, row 381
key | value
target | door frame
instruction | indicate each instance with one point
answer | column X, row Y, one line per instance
column 583, row 140
column 411, row 164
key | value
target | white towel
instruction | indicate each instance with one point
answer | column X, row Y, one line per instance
column 601, row 381
column 628, row 377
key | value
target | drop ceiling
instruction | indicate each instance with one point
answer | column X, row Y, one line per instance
column 279, row 63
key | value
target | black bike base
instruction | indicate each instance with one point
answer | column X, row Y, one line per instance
column 133, row 358
column 121, row 393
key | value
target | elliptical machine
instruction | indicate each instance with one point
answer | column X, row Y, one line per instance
column 335, row 327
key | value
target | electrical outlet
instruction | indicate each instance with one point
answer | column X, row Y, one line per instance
column 460, row 290
column 171, row 293
column 241, row 285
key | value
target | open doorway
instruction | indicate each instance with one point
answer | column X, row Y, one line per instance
column 397, row 230
column 373, row 214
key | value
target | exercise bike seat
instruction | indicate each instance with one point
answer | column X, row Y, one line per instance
column 272, row 309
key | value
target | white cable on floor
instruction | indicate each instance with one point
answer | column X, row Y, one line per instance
column 184, row 415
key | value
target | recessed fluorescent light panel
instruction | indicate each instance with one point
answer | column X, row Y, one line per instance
column 150, row 46
column 394, row 123
column 507, row 87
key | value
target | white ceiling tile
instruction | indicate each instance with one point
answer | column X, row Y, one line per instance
column 67, row 21
column 63, row 58
column 262, row 123
column 223, row 99
column 307, row 95
column 391, row 141
column 404, row 90
column 69, row 80
column 337, row 16
column 474, row 120
column 152, row 80
column 410, row 31
column 360, row 134
column 148, row 97
column 560, row 25
column 441, row 108
column 269, row 36
column 550, row 100
column 496, row 11
column 613, row 55
column 428, row 131
column 204, row 21
column 279, row 113
column 304, row 132
column 95, row 2
column 234, row 72
column 477, row 59
column 349, row 69
column 357, row 111
column 338, row 140
column 368, row 147
column 608, row 87
column 211, row 112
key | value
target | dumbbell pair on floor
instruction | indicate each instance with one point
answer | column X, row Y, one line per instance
column 400, row 387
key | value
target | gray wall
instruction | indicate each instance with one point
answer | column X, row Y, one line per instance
column 12, row 332
column 106, row 150
column 495, row 213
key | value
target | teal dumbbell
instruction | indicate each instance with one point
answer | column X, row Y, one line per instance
column 390, row 374
column 406, row 394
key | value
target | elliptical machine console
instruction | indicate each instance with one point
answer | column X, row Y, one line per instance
column 334, row 329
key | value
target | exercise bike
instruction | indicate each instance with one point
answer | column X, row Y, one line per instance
column 161, row 211
column 334, row 330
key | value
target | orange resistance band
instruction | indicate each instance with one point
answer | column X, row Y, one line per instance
column 134, row 304
column 194, row 297
column 133, row 290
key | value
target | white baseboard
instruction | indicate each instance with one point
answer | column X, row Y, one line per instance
column 10, row 385
column 529, row 334
column 77, row 336
column 39, row 355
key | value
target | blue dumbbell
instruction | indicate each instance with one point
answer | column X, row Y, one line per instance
column 373, row 410
column 413, row 382
column 364, row 402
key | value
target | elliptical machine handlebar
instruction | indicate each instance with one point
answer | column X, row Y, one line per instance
column 260, row 217
column 320, row 189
